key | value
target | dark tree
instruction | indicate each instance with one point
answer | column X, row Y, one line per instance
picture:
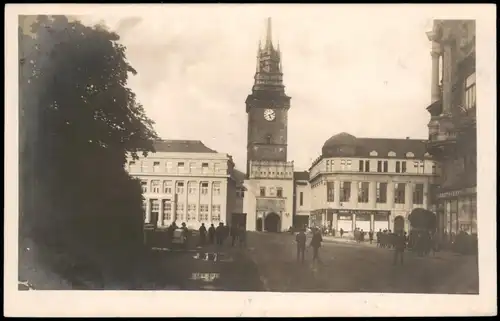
column 78, row 121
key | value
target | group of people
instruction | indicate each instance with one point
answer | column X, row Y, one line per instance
column 315, row 244
column 218, row 235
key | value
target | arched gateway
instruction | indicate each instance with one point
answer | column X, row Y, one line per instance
column 272, row 222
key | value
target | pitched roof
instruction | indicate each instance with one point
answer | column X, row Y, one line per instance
column 385, row 145
column 182, row 146
column 302, row 176
column 344, row 145
column 238, row 176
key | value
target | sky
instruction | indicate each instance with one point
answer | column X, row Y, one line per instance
column 359, row 69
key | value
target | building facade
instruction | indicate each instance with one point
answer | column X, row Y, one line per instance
column 302, row 199
column 367, row 182
column 185, row 182
column 268, row 201
column 452, row 126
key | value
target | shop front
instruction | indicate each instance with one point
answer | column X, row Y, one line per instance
column 458, row 211
column 366, row 220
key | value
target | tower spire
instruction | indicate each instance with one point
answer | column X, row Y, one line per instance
column 269, row 34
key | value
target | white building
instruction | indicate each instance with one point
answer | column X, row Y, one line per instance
column 185, row 181
column 368, row 182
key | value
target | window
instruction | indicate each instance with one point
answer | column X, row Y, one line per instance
column 330, row 192
column 144, row 186
column 386, row 166
column 204, row 212
column 180, row 165
column 216, row 213
column 345, row 191
column 272, row 191
column 403, row 167
column 204, row 167
column 131, row 163
column 419, row 167
column 155, row 186
column 169, row 168
column 399, row 193
column 364, row 165
column 279, row 192
column 191, row 215
column 301, row 199
column 216, row 167
column 156, row 167
column 329, row 165
column 155, row 206
column 204, row 188
column 179, row 189
column 363, row 192
column 418, row 194
column 433, row 168
column 379, row 166
column 382, row 193
column 167, row 187
column 179, row 211
column 167, row 210
column 398, row 167
column 192, row 188
column 192, row 167
column 348, row 164
column 268, row 139
column 144, row 166
column 240, row 192
column 262, row 191
column 216, row 188
column 470, row 91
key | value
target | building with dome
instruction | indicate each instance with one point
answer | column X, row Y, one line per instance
column 368, row 182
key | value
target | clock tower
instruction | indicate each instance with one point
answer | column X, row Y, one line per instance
column 267, row 106
column 268, row 200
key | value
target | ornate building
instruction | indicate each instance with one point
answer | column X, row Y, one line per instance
column 452, row 127
column 268, row 201
column 368, row 182
column 186, row 182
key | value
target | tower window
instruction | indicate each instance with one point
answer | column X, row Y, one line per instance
column 268, row 139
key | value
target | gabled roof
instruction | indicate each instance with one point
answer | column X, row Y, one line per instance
column 181, row 146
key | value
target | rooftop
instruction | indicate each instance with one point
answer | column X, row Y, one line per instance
column 181, row 146
column 301, row 176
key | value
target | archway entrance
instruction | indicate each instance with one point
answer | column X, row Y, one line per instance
column 258, row 225
column 399, row 224
column 272, row 222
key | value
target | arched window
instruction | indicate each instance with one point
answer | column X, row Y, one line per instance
column 373, row 153
column 392, row 154
column 410, row 154
column 268, row 139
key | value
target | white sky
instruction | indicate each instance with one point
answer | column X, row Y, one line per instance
column 360, row 69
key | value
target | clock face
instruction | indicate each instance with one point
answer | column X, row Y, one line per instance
column 269, row 114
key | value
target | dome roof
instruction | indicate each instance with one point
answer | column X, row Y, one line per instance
column 341, row 139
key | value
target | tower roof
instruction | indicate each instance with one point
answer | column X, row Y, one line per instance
column 268, row 76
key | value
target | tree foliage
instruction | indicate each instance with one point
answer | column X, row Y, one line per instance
column 78, row 121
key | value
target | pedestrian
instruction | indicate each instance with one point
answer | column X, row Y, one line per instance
column 242, row 236
column 234, row 234
column 301, row 239
column 341, row 232
column 370, row 236
column 185, row 235
column 316, row 244
column 219, row 234
column 362, row 236
column 203, row 234
column 399, row 247
column 211, row 234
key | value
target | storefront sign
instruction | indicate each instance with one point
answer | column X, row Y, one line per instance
column 450, row 194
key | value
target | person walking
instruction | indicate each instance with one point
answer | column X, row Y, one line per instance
column 370, row 236
column 234, row 234
column 379, row 235
column 341, row 232
column 203, row 234
column 219, row 234
column 211, row 234
column 242, row 236
column 301, row 239
column 399, row 247
column 185, row 235
column 316, row 244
